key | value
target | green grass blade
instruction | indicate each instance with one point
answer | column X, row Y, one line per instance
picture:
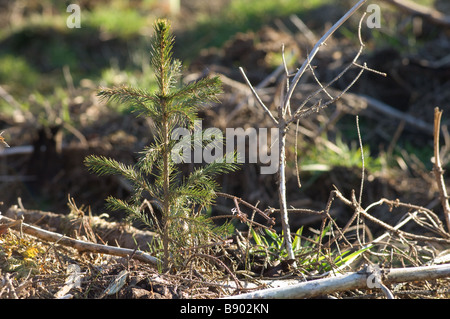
column 256, row 237
column 297, row 243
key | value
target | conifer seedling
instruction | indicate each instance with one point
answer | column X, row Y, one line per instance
column 156, row 178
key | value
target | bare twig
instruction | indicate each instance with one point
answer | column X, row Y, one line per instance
column 240, row 200
column 438, row 171
column 257, row 96
column 362, row 160
column 297, row 170
column 316, row 48
column 9, row 98
column 301, row 26
column 285, row 118
column 388, row 227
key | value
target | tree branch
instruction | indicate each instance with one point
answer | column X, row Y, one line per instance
column 316, row 49
column 257, row 96
column 83, row 246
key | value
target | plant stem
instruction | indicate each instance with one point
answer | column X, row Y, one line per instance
column 438, row 171
column 283, row 123
column 164, row 91
column 166, row 200
column 282, row 190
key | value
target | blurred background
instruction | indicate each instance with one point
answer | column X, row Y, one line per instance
column 52, row 118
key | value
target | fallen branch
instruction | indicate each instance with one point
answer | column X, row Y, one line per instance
column 351, row 281
column 108, row 232
column 388, row 227
column 389, row 110
column 428, row 13
column 83, row 246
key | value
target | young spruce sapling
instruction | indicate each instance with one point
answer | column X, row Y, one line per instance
column 156, row 178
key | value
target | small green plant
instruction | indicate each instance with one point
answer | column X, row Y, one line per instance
column 20, row 255
column 348, row 156
column 157, row 181
column 271, row 245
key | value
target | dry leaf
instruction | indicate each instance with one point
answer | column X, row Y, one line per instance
column 2, row 139
column 73, row 280
column 117, row 284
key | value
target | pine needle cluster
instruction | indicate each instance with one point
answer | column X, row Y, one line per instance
column 158, row 184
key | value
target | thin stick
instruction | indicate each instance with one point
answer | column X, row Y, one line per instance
column 83, row 246
column 297, row 170
column 240, row 200
column 287, row 107
column 438, row 171
column 362, row 159
column 387, row 226
column 257, row 96
column 428, row 13
column 316, row 48
column 322, row 88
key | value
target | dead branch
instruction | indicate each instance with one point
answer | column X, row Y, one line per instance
column 83, row 246
column 438, row 171
column 356, row 280
column 286, row 116
column 266, row 109
column 389, row 110
column 301, row 26
column 317, row 47
column 108, row 232
column 430, row 14
column 355, row 205
column 270, row 220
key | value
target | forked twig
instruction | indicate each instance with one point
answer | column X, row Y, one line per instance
column 428, row 13
column 285, row 118
column 354, row 204
column 240, row 200
column 316, row 48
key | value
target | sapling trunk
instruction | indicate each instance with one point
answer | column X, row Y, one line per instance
column 282, row 191
column 166, row 196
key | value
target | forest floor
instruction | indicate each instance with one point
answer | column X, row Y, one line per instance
column 43, row 173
